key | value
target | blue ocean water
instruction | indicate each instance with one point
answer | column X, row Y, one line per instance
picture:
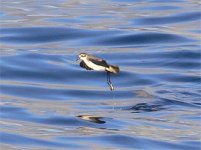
column 49, row 102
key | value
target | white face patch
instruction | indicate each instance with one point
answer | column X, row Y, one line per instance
column 83, row 58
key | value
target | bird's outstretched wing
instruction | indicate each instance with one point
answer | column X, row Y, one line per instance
column 83, row 65
column 99, row 62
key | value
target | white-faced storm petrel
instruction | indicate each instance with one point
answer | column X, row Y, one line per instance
column 90, row 62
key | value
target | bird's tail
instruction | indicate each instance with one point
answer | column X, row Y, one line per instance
column 113, row 69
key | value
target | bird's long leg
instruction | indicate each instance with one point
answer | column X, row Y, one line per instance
column 108, row 77
column 109, row 81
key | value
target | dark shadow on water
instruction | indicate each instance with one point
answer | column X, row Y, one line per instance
column 120, row 141
column 144, row 107
column 160, row 104
column 38, row 35
column 179, row 18
column 45, row 34
column 34, row 92
column 142, row 38
column 17, row 139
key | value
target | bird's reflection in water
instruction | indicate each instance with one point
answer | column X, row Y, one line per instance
column 92, row 119
column 144, row 107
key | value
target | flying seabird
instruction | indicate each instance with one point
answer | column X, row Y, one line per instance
column 90, row 62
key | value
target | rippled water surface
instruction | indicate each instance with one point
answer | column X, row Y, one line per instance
column 49, row 102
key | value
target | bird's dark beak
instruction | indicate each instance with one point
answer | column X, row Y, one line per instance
column 77, row 59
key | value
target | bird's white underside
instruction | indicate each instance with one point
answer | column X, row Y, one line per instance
column 94, row 66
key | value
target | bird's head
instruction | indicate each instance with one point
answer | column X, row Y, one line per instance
column 82, row 56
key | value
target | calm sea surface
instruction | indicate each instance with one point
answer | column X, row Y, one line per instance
column 49, row 102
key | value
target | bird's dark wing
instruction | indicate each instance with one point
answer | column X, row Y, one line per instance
column 99, row 62
column 83, row 65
